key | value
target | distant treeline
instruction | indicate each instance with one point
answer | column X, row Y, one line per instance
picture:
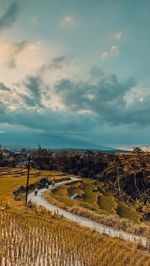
column 121, row 172
column 85, row 164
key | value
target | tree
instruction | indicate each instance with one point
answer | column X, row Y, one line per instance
column 137, row 150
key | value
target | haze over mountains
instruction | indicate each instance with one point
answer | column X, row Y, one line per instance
column 54, row 142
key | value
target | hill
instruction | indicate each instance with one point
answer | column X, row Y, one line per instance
column 50, row 141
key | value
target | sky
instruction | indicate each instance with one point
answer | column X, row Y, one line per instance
column 74, row 73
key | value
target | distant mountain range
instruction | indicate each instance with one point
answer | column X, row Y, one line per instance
column 54, row 142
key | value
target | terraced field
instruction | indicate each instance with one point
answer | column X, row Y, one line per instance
column 94, row 197
column 10, row 178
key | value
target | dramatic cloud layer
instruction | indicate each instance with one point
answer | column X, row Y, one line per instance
column 86, row 107
column 104, row 97
column 50, row 90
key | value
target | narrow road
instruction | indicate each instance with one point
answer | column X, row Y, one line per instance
column 39, row 200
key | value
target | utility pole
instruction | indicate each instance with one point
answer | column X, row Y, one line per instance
column 27, row 185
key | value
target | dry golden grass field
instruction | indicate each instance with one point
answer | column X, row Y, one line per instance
column 36, row 237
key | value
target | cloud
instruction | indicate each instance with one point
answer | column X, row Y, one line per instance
column 68, row 22
column 90, row 108
column 57, row 63
column 26, row 58
column 105, row 98
column 47, row 121
column 29, row 93
column 114, row 50
column 33, row 84
column 105, row 55
column 61, row 60
column 10, row 52
column 118, row 35
column 3, row 87
column 9, row 17
column 35, row 88
column 82, row 106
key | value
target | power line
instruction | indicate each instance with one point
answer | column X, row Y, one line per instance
column 28, row 176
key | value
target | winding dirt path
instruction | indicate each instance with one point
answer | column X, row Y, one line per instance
column 82, row 221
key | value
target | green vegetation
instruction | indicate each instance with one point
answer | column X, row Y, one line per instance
column 94, row 197
column 125, row 211
column 62, row 193
column 107, row 202
column 99, row 205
